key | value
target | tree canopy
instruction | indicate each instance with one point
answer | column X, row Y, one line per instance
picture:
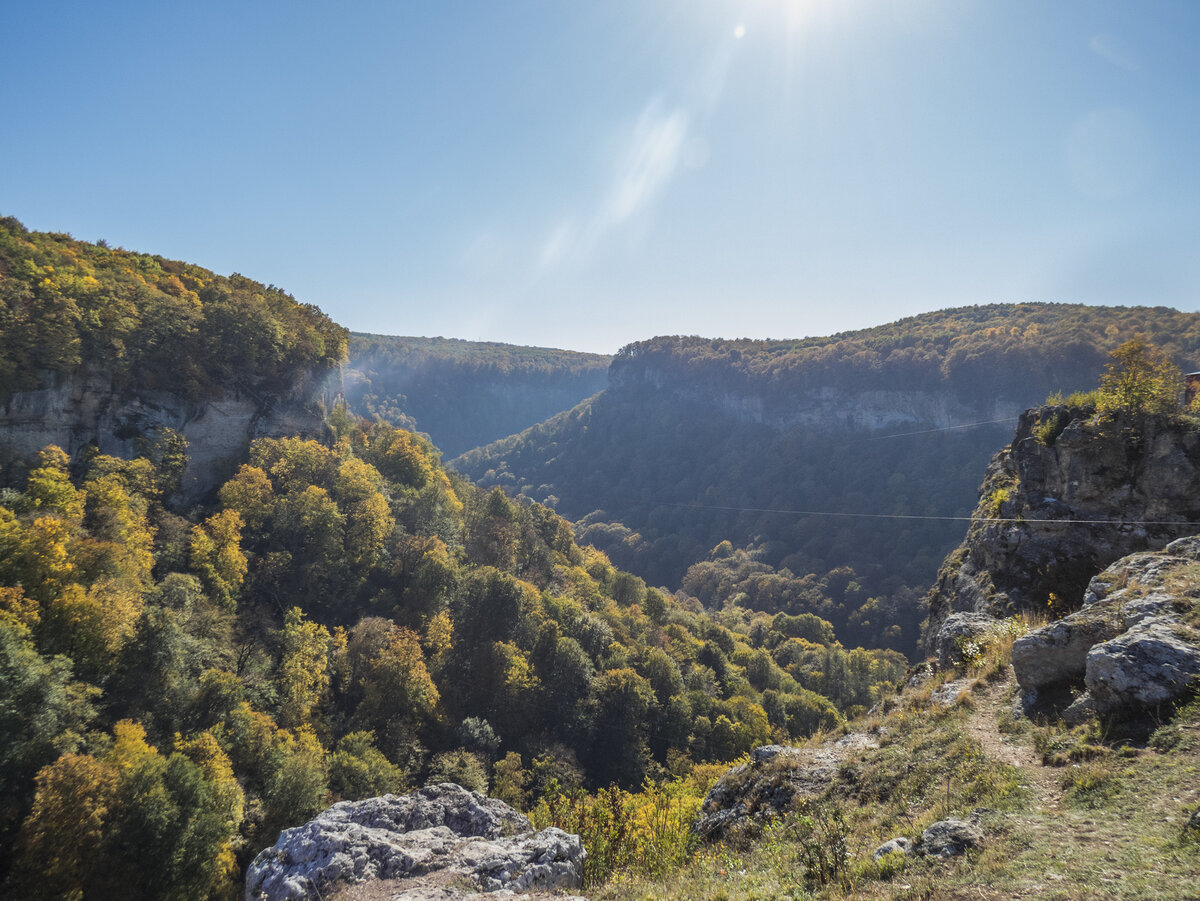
column 148, row 322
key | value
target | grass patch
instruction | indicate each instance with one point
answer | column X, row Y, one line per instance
column 1091, row 782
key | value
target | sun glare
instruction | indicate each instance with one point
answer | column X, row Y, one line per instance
column 739, row 32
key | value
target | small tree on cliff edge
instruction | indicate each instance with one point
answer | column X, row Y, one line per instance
column 1140, row 379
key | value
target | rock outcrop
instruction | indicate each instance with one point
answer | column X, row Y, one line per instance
column 777, row 778
column 1070, row 495
column 85, row 409
column 949, row 838
column 958, row 628
column 1133, row 644
column 423, row 841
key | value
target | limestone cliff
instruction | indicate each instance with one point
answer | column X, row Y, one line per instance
column 827, row 407
column 84, row 409
column 1071, row 494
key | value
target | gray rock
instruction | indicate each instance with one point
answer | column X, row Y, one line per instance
column 85, row 407
column 762, row 754
column 1058, row 652
column 1121, row 477
column 774, row 781
column 949, row 838
column 893, row 846
column 1185, row 547
column 441, row 829
column 1156, row 661
column 951, row 691
column 1081, row 710
column 957, row 628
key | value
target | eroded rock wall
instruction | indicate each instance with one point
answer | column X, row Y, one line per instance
column 1071, row 494
column 85, row 409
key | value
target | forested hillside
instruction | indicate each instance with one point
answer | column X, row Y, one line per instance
column 147, row 322
column 800, row 452
column 464, row 394
column 339, row 619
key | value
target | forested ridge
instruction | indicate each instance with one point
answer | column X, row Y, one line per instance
column 995, row 350
column 147, row 322
column 698, row 441
column 464, row 394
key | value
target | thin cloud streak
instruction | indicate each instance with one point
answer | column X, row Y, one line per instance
column 1113, row 50
column 650, row 160
column 650, row 157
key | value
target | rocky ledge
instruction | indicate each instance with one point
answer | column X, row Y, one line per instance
column 1071, row 495
column 1134, row 644
column 422, row 844
column 775, row 780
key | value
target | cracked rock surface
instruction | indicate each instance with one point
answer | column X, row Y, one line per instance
column 422, row 840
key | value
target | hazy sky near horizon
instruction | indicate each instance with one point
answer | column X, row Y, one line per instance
column 586, row 174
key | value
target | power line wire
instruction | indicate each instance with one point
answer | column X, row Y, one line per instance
column 948, row 428
column 1080, row 522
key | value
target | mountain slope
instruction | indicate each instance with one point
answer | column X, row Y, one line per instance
column 804, row 449
column 118, row 350
column 464, row 394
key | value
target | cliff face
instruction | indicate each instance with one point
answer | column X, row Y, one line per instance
column 84, row 409
column 826, row 407
column 1070, row 495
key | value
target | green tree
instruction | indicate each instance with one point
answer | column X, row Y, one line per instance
column 357, row 769
column 304, row 679
column 1140, row 378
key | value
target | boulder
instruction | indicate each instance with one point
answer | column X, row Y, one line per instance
column 441, row 830
column 893, row 846
column 949, row 838
column 769, row 786
column 1058, row 652
column 947, row 694
column 957, row 628
column 1156, row 661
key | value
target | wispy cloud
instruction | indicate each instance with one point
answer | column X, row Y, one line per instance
column 650, row 160
column 663, row 138
column 1113, row 50
column 646, row 160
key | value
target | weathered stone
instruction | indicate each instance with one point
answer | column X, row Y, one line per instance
column 1058, row 652
column 776, row 779
column 762, row 754
column 950, row 692
column 1188, row 547
column 949, row 838
column 439, row 829
column 957, row 628
column 893, row 846
column 1131, row 479
column 1081, row 710
column 86, row 408
column 1156, row 661
column 1128, row 644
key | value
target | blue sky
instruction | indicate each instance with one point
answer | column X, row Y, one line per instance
column 583, row 175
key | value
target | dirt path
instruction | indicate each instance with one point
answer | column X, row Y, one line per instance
column 1014, row 750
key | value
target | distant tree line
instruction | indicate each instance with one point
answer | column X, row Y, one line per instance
column 465, row 393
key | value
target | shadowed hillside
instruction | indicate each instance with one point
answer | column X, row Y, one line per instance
column 464, row 394
column 761, row 442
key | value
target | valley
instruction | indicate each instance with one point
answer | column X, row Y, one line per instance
column 235, row 592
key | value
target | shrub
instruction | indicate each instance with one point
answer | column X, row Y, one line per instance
column 649, row 833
